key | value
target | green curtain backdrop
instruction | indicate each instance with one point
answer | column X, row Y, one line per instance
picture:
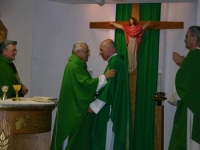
column 147, row 72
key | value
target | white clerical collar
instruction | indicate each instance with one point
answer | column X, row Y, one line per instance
column 112, row 56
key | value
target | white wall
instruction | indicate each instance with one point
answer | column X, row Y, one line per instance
column 56, row 27
column 46, row 31
column 198, row 11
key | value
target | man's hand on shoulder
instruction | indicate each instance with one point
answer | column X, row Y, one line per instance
column 110, row 73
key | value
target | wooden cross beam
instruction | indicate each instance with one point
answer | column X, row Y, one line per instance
column 152, row 25
column 135, row 14
column 133, row 76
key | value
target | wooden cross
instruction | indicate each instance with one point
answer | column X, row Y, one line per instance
column 135, row 14
column 133, row 76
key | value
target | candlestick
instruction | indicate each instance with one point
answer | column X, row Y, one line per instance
column 4, row 90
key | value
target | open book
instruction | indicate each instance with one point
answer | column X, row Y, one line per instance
column 38, row 99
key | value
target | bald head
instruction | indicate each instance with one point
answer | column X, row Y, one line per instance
column 107, row 49
column 110, row 43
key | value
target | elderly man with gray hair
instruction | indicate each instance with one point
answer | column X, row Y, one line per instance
column 8, row 72
column 73, row 124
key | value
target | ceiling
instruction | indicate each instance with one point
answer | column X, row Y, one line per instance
column 121, row 1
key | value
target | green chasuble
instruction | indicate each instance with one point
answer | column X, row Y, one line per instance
column 72, row 119
column 188, row 88
column 8, row 76
column 116, row 94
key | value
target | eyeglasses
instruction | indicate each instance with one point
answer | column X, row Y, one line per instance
column 12, row 50
column 85, row 51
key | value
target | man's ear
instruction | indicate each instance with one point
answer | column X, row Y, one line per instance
column 195, row 40
column 4, row 50
column 76, row 53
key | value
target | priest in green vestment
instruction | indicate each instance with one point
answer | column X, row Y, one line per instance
column 8, row 72
column 73, row 121
column 186, row 126
column 113, row 121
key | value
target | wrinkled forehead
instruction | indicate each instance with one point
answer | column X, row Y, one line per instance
column 104, row 44
column 10, row 47
column 103, row 47
column 84, row 46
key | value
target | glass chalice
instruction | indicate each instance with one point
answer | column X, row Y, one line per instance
column 4, row 90
column 17, row 87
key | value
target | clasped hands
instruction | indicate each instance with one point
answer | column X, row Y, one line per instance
column 178, row 59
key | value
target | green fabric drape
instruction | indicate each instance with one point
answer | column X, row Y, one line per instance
column 146, row 74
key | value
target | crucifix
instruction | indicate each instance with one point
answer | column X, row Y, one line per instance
column 159, row 109
column 3, row 32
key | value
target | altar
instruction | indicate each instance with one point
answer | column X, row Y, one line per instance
column 25, row 125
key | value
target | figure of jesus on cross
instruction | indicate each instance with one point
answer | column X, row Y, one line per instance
column 138, row 28
column 133, row 34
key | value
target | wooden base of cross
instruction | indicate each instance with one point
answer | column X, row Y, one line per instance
column 3, row 32
column 159, row 97
column 133, row 79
